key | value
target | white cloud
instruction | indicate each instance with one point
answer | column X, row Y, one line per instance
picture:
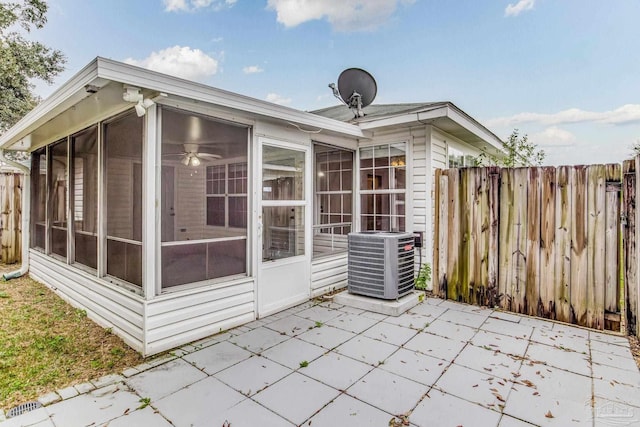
column 628, row 113
column 278, row 99
column 344, row 15
column 554, row 137
column 180, row 61
column 194, row 5
column 252, row 69
column 518, row 8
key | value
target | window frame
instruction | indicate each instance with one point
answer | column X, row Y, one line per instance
column 318, row 226
column 390, row 191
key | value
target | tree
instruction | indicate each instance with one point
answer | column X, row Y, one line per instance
column 519, row 151
column 635, row 148
column 22, row 60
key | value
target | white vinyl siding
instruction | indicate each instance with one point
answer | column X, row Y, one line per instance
column 177, row 318
column 108, row 305
column 328, row 273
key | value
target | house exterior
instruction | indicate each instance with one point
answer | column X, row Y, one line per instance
column 170, row 210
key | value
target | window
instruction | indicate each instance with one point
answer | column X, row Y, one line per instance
column 227, row 192
column 204, row 201
column 58, row 197
column 123, row 178
column 383, row 187
column 333, row 199
column 457, row 159
column 283, row 203
column 84, row 165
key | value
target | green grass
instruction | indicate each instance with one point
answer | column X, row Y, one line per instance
column 45, row 344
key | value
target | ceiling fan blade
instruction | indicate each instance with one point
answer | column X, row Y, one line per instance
column 209, row 156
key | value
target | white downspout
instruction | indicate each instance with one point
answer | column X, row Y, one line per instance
column 26, row 213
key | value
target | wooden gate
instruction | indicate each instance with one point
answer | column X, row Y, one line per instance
column 542, row 241
column 10, row 217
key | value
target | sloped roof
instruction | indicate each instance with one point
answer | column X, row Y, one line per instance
column 344, row 114
column 444, row 115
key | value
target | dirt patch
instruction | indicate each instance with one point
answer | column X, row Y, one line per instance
column 46, row 345
column 635, row 349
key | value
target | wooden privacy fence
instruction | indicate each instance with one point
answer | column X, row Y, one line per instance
column 10, row 217
column 542, row 241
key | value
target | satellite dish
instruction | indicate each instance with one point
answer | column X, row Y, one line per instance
column 356, row 88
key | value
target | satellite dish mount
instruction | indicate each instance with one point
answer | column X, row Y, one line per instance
column 356, row 89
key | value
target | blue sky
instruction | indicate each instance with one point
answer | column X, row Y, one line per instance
column 565, row 72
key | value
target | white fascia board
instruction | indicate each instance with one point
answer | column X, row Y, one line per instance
column 63, row 98
column 455, row 114
column 136, row 76
column 440, row 111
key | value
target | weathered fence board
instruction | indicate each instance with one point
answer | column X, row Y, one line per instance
column 546, row 303
column 539, row 241
column 629, row 186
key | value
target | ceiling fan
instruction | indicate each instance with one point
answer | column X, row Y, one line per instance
column 192, row 157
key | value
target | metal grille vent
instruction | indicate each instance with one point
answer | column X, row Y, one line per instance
column 380, row 264
column 22, row 408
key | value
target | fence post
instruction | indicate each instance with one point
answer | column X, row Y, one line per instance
column 630, row 245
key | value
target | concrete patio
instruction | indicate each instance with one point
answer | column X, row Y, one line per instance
column 440, row 364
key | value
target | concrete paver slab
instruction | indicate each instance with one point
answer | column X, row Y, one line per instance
column 34, row 417
column 294, row 351
column 561, row 339
column 250, row 414
column 489, row 362
column 367, row 350
column 297, row 397
column 502, row 343
column 441, row 409
column 436, row 346
column 608, row 413
column 165, row 379
column 415, row 366
column 410, row 320
column 476, row 387
column 389, row 333
column 258, row 340
column 291, row 325
column 609, row 338
column 615, row 375
column 352, row 323
column 142, row 417
column 549, row 396
column 616, row 392
column 347, row 411
column 609, row 348
column 199, row 404
column 253, row 375
column 217, row 357
column 465, row 318
column 450, row 330
column 429, row 310
column 336, row 370
column 95, row 408
column 619, row 362
column 319, row 314
column 326, row 336
column 506, row 327
column 388, row 392
column 563, row 359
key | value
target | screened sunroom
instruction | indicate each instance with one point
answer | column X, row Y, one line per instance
column 171, row 210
